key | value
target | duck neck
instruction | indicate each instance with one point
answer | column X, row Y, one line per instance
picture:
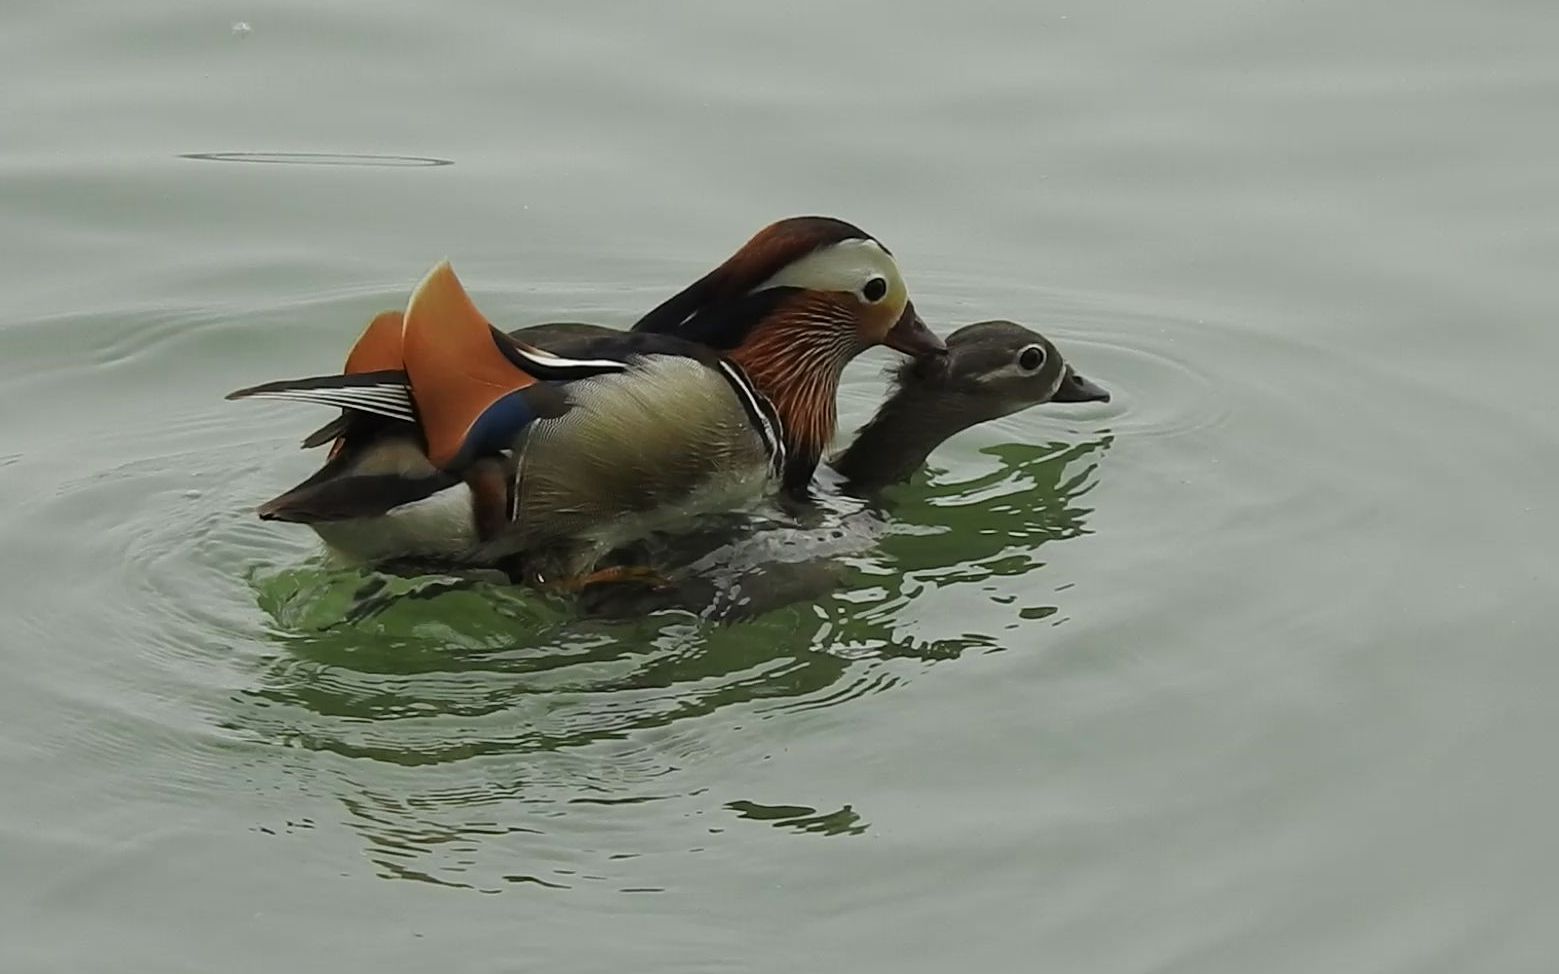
column 796, row 363
column 901, row 435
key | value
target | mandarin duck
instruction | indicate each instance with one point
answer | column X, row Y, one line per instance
column 459, row 442
column 992, row 369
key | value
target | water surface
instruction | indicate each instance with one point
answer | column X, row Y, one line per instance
column 1249, row 670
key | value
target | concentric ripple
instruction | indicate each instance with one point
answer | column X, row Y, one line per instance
column 479, row 736
column 317, row 159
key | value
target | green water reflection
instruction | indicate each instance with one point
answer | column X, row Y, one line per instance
column 454, row 704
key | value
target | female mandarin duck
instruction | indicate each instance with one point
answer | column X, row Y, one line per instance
column 462, row 443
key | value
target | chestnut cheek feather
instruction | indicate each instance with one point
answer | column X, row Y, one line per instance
column 795, row 359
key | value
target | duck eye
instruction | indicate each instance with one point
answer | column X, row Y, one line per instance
column 875, row 290
column 1031, row 358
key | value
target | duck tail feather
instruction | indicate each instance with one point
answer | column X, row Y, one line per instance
column 383, row 393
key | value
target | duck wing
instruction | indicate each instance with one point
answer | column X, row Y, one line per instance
column 584, row 341
column 467, row 387
column 476, row 389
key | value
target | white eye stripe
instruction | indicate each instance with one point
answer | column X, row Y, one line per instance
column 846, row 266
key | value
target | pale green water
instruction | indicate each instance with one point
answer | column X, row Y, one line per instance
column 1251, row 670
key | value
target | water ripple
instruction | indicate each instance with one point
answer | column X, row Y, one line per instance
column 318, row 159
column 461, row 727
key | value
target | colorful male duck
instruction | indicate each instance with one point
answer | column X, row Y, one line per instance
column 459, row 442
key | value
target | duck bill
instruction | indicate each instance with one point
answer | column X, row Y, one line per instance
column 911, row 336
column 1075, row 388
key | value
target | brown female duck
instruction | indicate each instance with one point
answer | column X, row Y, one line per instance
column 992, row 369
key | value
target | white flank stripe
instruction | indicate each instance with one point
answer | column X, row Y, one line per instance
column 549, row 360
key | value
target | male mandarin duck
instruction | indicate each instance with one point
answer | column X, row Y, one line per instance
column 460, row 442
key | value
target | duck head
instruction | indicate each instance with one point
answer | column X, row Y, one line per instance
column 996, row 368
column 991, row 369
column 816, row 253
column 791, row 308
